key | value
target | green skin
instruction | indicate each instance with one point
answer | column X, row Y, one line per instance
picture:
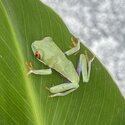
column 47, row 52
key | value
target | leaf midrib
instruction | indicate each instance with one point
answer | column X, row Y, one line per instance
column 31, row 94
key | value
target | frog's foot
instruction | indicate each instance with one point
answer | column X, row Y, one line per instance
column 30, row 67
column 63, row 89
column 87, row 58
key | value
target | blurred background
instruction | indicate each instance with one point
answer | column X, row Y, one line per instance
column 101, row 24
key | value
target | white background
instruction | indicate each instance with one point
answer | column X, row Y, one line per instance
column 101, row 23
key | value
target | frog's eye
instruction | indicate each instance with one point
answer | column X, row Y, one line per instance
column 37, row 54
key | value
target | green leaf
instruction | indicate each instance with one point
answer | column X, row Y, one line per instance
column 24, row 100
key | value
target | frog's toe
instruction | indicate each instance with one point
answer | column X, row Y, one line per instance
column 29, row 65
column 47, row 88
column 28, row 73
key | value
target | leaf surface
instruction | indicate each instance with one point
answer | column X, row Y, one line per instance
column 24, row 100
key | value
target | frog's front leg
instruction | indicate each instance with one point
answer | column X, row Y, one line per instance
column 84, row 66
column 63, row 89
column 39, row 72
column 75, row 48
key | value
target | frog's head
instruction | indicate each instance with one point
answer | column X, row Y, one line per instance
column 37, row 47
column 36, row 50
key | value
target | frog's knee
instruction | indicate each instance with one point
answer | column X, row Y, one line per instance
column 76, row 86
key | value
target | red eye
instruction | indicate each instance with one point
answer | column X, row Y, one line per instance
column 37, row 54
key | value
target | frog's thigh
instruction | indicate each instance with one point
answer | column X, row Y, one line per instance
column 63, row 93
column 63, row 87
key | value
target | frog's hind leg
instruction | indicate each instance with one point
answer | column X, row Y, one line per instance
column 63, row 93
column 84, row 67
column 63, row 89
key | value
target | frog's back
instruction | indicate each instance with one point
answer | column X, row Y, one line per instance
column 56, row 59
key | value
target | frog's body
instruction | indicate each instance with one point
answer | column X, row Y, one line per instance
column 56, row 59
column 51, row 55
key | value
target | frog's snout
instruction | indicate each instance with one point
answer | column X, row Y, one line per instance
column 34, row 47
